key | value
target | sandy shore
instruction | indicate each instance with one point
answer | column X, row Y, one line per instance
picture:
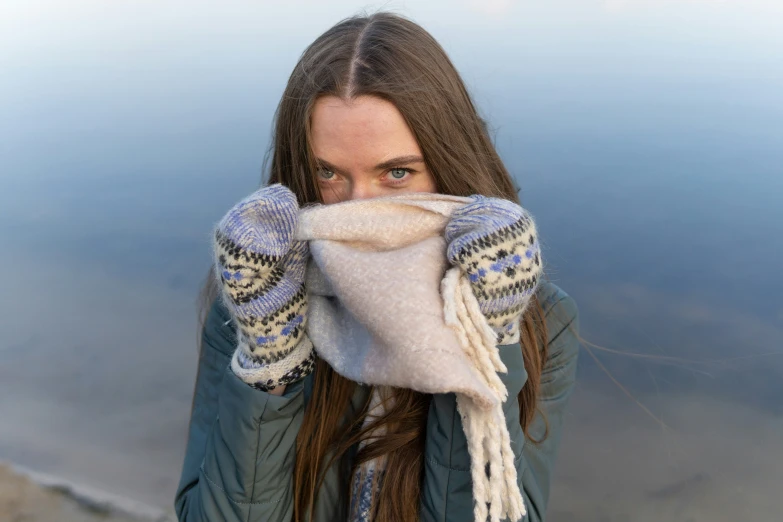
column 24, row 497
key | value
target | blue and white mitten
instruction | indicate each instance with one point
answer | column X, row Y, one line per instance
column 495, row 243
column 261, row 270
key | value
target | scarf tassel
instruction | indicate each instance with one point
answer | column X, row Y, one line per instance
column 495, row 489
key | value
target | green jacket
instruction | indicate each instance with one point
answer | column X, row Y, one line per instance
column 241, row 442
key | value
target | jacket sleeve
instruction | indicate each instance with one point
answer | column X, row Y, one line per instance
column 240, row 451
column 447, row 494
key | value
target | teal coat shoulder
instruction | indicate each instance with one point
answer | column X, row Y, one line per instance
column 241, row 441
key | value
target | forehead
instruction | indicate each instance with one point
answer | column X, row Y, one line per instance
column 365, row 127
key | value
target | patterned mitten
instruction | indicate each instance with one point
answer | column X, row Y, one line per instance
column 261, row 269
column 494, row 241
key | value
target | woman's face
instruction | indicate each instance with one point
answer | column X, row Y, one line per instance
column 365, row 149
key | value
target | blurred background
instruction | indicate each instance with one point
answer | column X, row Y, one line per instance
column 646, row 137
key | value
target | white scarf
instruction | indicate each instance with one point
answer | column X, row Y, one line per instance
column 387, row 310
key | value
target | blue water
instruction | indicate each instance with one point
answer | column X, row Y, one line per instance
column 646, row 137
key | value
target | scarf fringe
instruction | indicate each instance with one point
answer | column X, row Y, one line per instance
column 495, row 489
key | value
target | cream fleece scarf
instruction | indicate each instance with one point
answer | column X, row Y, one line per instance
column 386, row 309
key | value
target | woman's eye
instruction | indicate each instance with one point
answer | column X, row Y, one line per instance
column 325, row 174
column 398, row 173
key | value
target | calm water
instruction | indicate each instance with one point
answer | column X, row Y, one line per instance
column 646, row 137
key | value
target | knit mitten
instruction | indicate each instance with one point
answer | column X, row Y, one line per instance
column 494, row 241
column 261, row 270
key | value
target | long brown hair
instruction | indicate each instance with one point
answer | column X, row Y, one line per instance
column 387, row 56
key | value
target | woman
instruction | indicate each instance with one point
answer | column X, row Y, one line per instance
column 373, row 108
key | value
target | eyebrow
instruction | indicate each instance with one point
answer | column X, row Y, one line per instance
column 388, row 164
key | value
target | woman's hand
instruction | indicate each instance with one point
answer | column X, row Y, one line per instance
column 261, row 269
column 494, row 241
